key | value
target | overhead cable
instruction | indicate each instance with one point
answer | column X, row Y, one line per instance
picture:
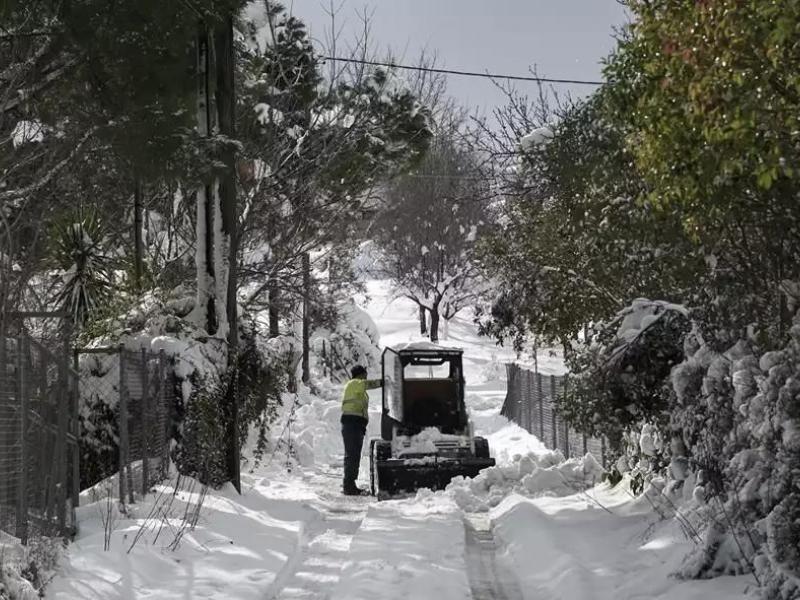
column 486, row 75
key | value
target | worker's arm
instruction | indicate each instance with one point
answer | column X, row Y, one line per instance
column 372, row 384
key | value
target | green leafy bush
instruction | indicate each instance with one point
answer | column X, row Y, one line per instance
column 622, row 371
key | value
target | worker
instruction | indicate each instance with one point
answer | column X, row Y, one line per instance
column 355, row 405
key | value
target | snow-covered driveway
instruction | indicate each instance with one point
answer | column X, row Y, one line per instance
column 517, row 532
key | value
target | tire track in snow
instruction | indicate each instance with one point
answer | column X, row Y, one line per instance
column 489, row 578
column 313, row 569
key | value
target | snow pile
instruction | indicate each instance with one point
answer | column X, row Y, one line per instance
column 308, row 431
column 185, row 541
column 422, row 443
column 12, row 584
column 354, row 340
column 600, row 545
column 26, row 570
column 546, row 474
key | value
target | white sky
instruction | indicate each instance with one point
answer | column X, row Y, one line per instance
column 564, row 39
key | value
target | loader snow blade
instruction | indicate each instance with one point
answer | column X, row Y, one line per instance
column 397, row 476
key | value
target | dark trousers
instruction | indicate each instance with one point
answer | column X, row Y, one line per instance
column 354, row 428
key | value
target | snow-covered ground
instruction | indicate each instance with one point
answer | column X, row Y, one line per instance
column 292, row 535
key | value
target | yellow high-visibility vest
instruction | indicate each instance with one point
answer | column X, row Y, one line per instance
column 355, row 400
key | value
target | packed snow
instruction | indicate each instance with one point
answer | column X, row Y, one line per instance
column 559, row 530
column 424, row 442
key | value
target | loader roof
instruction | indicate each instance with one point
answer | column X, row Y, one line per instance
column 425, row 348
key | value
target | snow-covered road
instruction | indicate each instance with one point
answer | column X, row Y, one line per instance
column 490, row 578
column 517, row 532
column 323, row 544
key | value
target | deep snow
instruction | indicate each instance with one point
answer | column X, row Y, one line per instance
column 292, row 535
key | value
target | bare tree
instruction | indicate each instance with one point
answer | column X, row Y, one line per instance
column 428, row 228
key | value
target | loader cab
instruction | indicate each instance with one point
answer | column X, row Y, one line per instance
column 423, row 387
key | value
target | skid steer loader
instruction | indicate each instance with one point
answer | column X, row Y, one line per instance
column 426, row 437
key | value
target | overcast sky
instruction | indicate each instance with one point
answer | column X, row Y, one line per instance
column 564, row 39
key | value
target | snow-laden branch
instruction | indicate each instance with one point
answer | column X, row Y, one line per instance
column 577, row 277
column 24, row 94
column 12, row 196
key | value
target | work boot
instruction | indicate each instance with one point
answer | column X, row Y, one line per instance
column 352, row 490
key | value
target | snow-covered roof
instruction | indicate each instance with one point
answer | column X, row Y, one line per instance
column 425, row 347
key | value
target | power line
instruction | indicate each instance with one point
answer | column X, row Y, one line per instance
column 432, row 176
column 463, row 73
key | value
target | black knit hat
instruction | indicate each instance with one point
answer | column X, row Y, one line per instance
column 357, row 371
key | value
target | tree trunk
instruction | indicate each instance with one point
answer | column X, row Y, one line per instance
column 138, row 241
column 226, row 246
column 274, row 314
column 785, row 315
column 435, row 324
column 306, row 317
column 423, row 323
column 204, row 248
column 446, row 328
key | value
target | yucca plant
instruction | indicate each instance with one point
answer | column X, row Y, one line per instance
column 87, row 268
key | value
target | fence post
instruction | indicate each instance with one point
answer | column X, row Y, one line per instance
column 525, row 408
column 553, row 417
column 567, row 448
column 541, row 406
column 6, row 403
column 146, row 425
column 63, row 406
column 603, row 451
column 76, row 425
column 529, row 400
column 122, row 411
column 22, row 491
column 511, row 403
column 129, row 487
column 167, row 411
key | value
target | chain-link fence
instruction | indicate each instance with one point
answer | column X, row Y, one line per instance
column 136, row 390
column 39, row 469
column 531, row 403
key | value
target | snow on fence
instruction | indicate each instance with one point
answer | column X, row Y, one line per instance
column 138, row 387
column 530, row 402
column 39, row 477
